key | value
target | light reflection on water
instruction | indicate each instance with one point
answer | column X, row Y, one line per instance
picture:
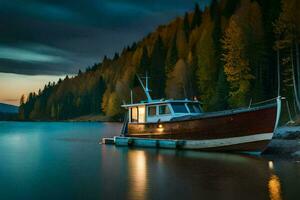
column 140, row 175
column 274, row 188
column 65, row 161
column 137, row 174
column 274, row 183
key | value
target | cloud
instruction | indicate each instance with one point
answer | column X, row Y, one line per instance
column 26, row 55
column 59, row 37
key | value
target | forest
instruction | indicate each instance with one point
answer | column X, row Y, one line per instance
column 227, row 54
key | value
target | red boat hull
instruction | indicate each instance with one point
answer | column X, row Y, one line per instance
column 235, row 130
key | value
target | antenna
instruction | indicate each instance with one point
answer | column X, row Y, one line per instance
column 146, row 89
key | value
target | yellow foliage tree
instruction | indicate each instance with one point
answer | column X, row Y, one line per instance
column 236, row 65
column 114, row 105
column 178, row 82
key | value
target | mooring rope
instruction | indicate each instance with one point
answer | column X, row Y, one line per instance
column 261, row 102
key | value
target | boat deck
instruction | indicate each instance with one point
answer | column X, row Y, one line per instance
column 144, row 142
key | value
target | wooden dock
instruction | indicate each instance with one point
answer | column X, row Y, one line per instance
column 144, row 142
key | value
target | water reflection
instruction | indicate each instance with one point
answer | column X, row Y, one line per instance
column 38, row 166
column 191, row 173
column 274, row 188
column 274, row 185
column 137, row 174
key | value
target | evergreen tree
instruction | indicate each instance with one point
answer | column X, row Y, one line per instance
column 116, row 56
column 172, row 55
column 144, row 62
column 157, row 69
column 270, row 12
column 215, row 14
column 214, row 9
column 193, row 63
column 197, row 17
column 230, row 7
column 186, row 25
column 222, row 92
column 287, row 29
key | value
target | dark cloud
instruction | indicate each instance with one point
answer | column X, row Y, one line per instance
column 61, row 36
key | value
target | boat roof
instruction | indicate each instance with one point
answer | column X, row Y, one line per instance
column 159, row 101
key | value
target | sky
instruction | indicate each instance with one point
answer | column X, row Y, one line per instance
column 44, row 40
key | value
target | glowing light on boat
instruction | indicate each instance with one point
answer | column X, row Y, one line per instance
column 271, row 165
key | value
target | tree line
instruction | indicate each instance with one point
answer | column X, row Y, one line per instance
column 224, row 54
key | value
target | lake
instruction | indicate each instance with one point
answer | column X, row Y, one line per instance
column 65, row 161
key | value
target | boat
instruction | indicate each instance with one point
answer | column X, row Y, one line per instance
column 243, row 129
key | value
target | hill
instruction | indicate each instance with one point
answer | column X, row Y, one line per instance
column 225, row 55
column 7, row 108
column 8, row 112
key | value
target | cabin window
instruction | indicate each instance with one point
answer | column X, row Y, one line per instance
column 179, row 108
column 151, row 110
column 194, row 107
column 197, row 108
column 141, row 113
column 134, row 114
column 164, row 110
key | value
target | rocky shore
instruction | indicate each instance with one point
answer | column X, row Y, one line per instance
column 286, row 143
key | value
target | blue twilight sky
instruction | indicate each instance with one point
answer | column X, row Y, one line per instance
column 51, row 38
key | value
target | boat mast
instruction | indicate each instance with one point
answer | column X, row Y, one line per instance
column 145, row 88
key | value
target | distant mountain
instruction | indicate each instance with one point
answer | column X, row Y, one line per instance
column 7, row 108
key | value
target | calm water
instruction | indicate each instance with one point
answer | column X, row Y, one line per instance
column 65, row 161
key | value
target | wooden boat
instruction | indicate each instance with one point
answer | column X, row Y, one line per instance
column 242, row 129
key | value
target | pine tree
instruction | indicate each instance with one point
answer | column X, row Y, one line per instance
column 222, row 92
column 270, row 10
column 230, row 7
column 157, row 69
column 172, row 55
column 116, row 56
column 22, row 100
column 192, row 62
column 214, row 9
column 287, row 29
column 144, row 62
column 186, row 25
column 215, row 14
column 197, row 17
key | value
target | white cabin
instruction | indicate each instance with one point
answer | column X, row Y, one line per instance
column 161, row 110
